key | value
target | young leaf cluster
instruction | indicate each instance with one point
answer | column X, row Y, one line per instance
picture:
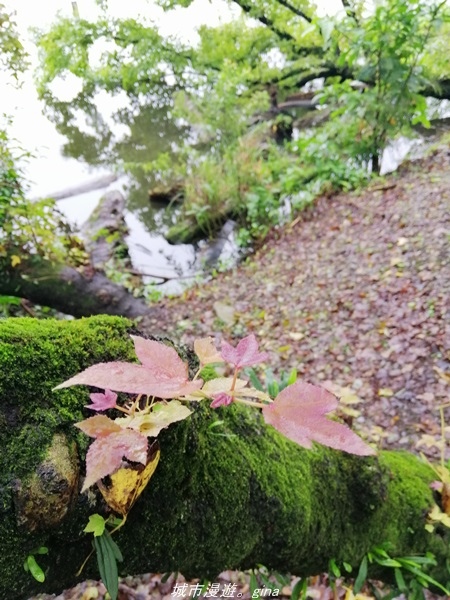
column 410, row 573
column 161, row 391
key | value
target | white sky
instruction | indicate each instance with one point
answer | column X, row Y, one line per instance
column 32, row 129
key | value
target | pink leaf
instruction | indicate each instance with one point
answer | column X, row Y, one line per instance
column 437, row 485
column 98, row 426
column 221, row 399
column 206, row 351
column 102, row 401
column 160, row 359
column 298, row 412
column 106, row 454
column 134, row 379
column 245, row 354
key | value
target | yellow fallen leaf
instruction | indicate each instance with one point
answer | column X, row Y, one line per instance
column 445, row 375
column 283, row 349
column 397, row 261
column 128, row 483
column 385, row 392
column 15, row 260
column 296, row 336
column 151, row 423
column 225, row 312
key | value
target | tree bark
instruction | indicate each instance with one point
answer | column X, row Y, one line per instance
column 231, row 496
column 86, row 290
column 75, row 292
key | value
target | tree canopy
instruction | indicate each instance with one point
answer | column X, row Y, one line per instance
column 373, row 73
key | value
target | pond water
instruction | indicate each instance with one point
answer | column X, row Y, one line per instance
column 57, row 165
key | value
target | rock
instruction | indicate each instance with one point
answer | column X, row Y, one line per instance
column 45, row 499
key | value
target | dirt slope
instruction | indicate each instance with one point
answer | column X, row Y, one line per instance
column 357, row 292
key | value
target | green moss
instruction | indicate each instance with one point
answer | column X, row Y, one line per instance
column 258, row 498
column 34, row 357
column 208, row 373
column 223, row 497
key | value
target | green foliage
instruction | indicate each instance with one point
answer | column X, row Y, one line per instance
column 386, row 54
column 96, row 525
column 13, row 57
column 108, row 554
column 410, row 573
column 372, row 70
column 31, row 565
column 26, row 228
column 270, row 384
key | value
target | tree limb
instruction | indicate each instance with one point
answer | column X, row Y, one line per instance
column 250, row 10
column 244, row 497
column 295, row 10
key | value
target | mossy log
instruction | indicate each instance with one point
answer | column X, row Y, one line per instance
column 244, row 497
column 77, row 292
column 86, row 290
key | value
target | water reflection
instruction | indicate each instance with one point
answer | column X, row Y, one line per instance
column 149, row 132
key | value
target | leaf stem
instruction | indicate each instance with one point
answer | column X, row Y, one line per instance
column 251, row 403
column 121, row 524
column 233, row 383
column 122, row 409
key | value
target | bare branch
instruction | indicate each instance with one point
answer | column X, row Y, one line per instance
column 349, row 10
column 295, row 10
column 250, row 10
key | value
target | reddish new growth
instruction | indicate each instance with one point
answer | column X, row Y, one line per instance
column 161, row 389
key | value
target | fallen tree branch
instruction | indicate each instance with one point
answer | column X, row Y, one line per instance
column 84, row 290
column 247, row 496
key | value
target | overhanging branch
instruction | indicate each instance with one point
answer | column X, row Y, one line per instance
column 250, row 10
column 295, row 10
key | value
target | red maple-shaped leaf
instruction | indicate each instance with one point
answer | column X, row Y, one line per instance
column 162, row 374
column 106, row 454
column 298, row 412
column 98, row 426
column 159, row 357
column 102, row 401
column 245, row 354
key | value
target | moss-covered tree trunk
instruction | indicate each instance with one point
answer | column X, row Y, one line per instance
column 232, row 500
column 68, row 290
column 86, row 290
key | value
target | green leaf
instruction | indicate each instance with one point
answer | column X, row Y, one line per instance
column 35, row 569
column 96, row 525
column 255, row 380
column 299, row 589
column 107, row 565
column 292, row 377
column 388, row 562
column 361, row 577
column 114, row 547
column 401, row 584
column 333, row 568
column 253, row 583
